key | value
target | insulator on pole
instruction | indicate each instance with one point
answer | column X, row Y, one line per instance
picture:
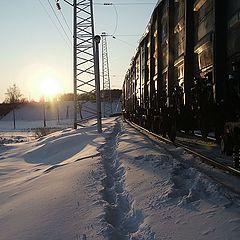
column 58, row 5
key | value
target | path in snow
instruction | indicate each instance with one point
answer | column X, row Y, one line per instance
column 123, row 219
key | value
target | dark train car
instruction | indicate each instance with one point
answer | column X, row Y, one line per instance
column 230, row 142
column 126, row 96
column 185, row 74
column 209, row 57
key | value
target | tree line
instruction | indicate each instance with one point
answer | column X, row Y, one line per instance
column 14, row 98
column 105, row 94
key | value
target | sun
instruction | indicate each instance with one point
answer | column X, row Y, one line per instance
column 49, row 87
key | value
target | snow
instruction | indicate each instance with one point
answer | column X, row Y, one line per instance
column 78, row 184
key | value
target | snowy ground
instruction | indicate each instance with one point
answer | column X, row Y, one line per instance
column 77, row 184
column 57, row 115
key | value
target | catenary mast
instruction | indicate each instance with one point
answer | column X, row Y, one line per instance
column 86, row 77
column 107, row 99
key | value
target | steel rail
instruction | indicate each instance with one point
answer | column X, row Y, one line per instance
column 206, row 159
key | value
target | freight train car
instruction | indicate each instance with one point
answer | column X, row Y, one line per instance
column 185, row 74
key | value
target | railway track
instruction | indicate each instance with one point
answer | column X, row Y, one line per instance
column 211, row 159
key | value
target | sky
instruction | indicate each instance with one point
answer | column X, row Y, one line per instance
column 36, row 53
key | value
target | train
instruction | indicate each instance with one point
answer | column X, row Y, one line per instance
column 185, row 74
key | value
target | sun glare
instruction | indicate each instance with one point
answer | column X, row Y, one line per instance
column 49, row 88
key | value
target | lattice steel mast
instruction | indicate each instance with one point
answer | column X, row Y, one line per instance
column 85, row 59
column 86, row 76
column 107, row 98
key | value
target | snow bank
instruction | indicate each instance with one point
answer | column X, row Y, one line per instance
column 48, row 188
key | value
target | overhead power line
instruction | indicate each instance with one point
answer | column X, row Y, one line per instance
column 129, row 44
column 116, row 25
column 55, row 25
column 136, row 3
column 113, row 35
column 126, row 35
column 60, row 9
column 123, row 35
column 59, row 22
column 66, row 22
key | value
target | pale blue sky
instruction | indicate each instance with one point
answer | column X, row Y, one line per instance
column 32, row 49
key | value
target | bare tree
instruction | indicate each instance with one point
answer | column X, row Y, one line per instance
column 13, row 97
column 13, row 94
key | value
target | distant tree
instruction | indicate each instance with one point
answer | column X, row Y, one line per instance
column 115, row 93
column 66, row 97
column 91, row 96
column 13, row 97
column 13, row 94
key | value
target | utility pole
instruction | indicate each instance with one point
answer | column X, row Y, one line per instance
column 44, row 112
column 97, row 81
column 107, row 98
column 85, row 60
column 75, row 62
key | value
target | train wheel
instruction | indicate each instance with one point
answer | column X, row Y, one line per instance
column 222, row 146
column 236, row 147
column 226, row 146
column 162, row 127
column 218, row 133
column 203, row 128
column 172, row 132
column 236, row 158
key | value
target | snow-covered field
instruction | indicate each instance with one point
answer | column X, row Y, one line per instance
column 78, row 184
column 57, row 115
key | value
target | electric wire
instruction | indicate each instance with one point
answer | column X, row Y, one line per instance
column 136, row 3
column 60, row 9
column 66, row 22
column 123, row 35
column 55, row 25
column 114, row 37
column 126, row 35
column 116, row 16
column 116, row 22
column 59, row 22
